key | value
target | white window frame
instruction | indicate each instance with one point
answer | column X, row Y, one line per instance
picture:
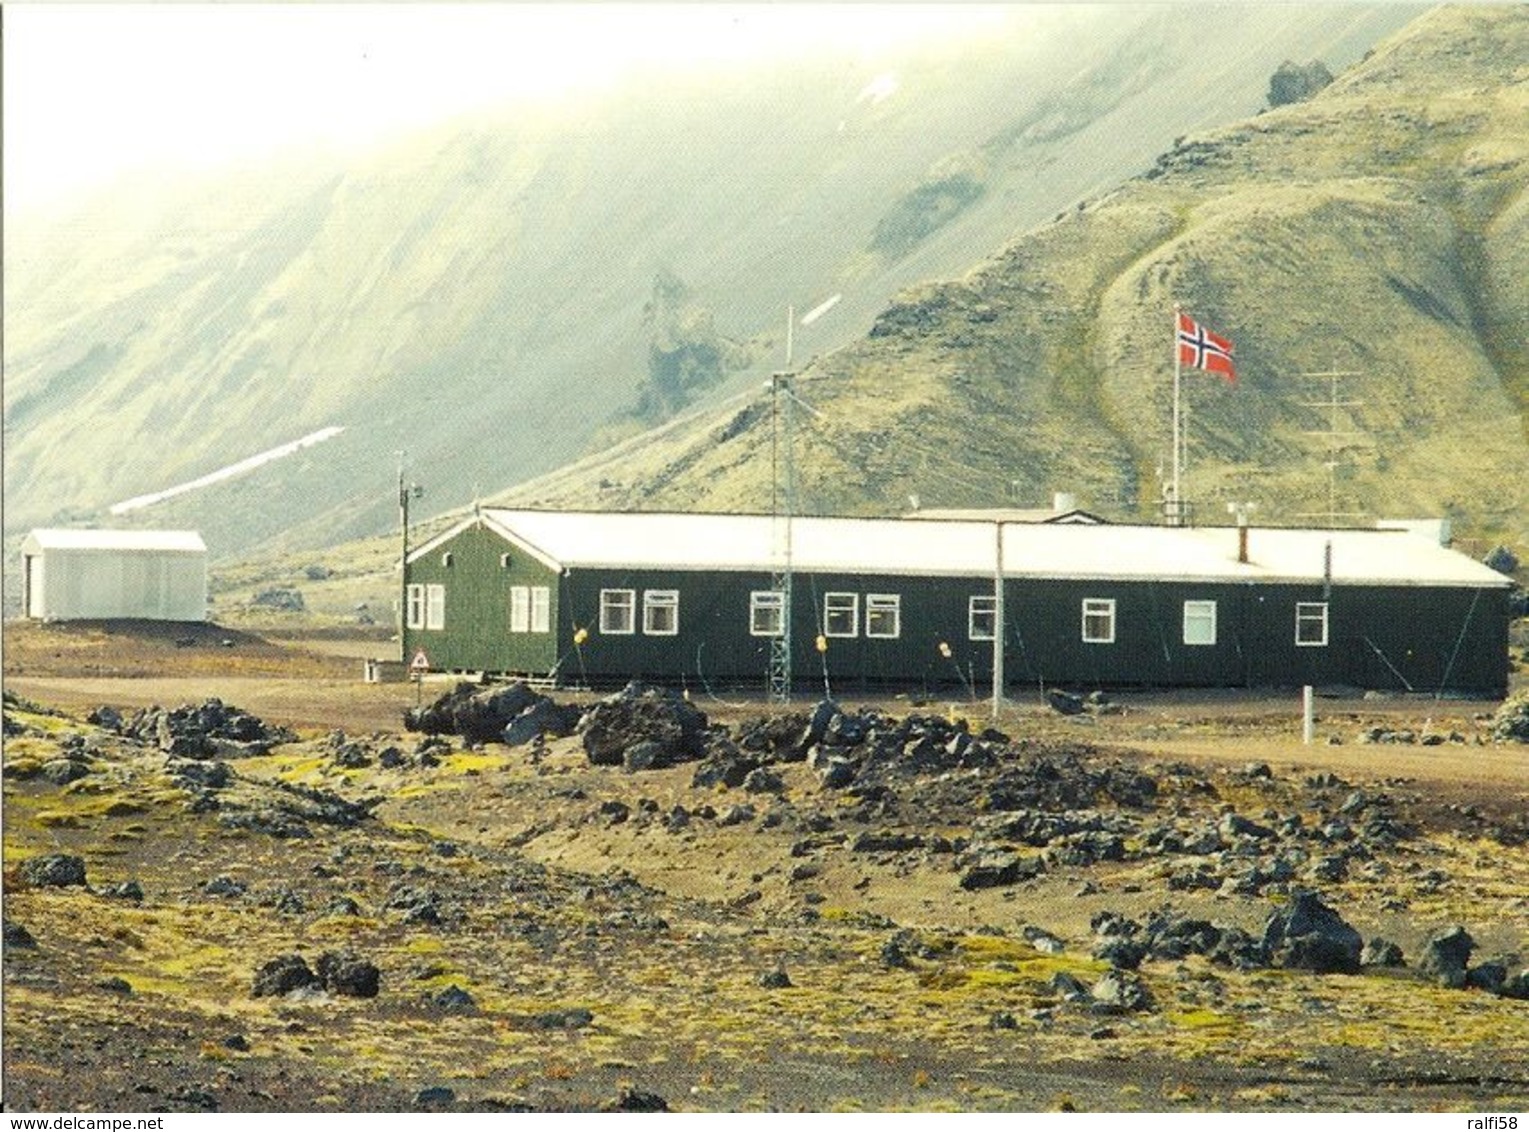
column 767, row 613
column 1307, row 613
column 878, row 607
column 1195, row 614
column 414, row 606
column 836, row 605
column 1094, row 607
column 984, row 606
column 520, row 609
column 614, row 603
column 654, row 604
column 435, row 606
column 541, row 609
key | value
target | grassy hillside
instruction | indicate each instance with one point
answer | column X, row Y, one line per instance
column 476, row 295
column 1378, row 229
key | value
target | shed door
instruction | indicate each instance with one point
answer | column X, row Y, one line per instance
column 33, row 582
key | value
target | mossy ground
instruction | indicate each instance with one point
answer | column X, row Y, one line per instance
column 546, row 905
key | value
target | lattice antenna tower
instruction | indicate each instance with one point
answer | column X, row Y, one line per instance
column 1334, row 405
column 783, row 507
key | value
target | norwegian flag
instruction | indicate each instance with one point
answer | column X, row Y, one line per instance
column 1205, row 349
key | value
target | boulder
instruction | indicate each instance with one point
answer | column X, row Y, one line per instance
column 1380, row 952
column 1120, row 992
column 885, row 841
column 1125, row 954
column 1069, row 987
column 542, row 719
column 61, row 772
column 736, row 815
column 1308, row 935
column 129, row 890
column 1511, row 723
column 1066, row 702
column 637, row 1100
column 1445, row 956
column 763, row 781
column 192, row 773
column 17, row 936
column 282, row 975
column 637, row 715
column 1042, row 940
column 1234, row 825
column 345, row 974
column 53, row 870
column 435, row 1096
column 1490, row 976
column 723, row 767
column 997, row 867
column 477, row 714
column 454, row 1000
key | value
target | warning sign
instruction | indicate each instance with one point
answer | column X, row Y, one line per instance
column 419, row 665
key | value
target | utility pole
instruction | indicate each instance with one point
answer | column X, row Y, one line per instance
column 998, row 675
column 406, row 492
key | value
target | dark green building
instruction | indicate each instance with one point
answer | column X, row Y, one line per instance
column 694, row 600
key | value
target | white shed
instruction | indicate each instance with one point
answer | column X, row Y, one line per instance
column 73, row 575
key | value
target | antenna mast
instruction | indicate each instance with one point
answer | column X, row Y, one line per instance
column 783, row 496
column 1332, row 432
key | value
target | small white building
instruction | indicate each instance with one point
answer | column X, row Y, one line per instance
column 77, row 575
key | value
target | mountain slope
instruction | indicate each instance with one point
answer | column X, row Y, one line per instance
column 475, row 295
column 1378, row 230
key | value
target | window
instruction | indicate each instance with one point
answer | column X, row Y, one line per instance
column 982, row 618
column 841, row 615
column 541, row 609
column 414, row 607
column 435, row 607
column 618, row 612
column 767, row 613
column 883, row 615
column 1099, row 620
column 520, row 609
column 661, row 612
column 1199, row 622
column 1311, row 623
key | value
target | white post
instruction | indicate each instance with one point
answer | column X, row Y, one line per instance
column 1308, row 719
column 998, row 621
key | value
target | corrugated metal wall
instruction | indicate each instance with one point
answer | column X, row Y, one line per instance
column 89, row 584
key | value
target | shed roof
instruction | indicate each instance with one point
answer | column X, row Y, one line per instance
column 657, row 540
column 72, row 538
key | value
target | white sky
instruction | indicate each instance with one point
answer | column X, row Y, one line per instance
column 95, row 90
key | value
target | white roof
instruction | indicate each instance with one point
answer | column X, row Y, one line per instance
column 179, row 542
column 1210, row 554
column 651, row 540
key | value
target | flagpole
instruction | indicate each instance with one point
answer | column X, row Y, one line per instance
column 1176, row 512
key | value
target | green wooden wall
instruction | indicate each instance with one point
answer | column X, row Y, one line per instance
column 478, row 576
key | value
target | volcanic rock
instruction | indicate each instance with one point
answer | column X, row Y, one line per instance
column 1445, row 956
column 53, row 870
column 282, row 975
column 1310, row 936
